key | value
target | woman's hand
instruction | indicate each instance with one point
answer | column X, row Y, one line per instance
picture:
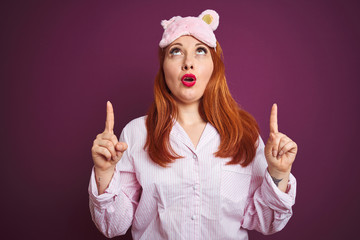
column 280, row 152
column 106, row 150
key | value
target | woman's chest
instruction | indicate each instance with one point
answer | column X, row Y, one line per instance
column 197, row 177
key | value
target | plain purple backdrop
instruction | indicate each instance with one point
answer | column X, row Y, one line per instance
column 62, row 60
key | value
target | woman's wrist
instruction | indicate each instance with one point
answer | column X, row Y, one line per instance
column 274, row 173
column 101, row 171
column 103, row 178
column 280, row 179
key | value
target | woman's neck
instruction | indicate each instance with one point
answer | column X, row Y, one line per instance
column 189, row 114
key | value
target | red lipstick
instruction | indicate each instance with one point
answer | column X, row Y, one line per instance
column 188, row 80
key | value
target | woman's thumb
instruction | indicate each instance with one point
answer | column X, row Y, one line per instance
column 121, row 146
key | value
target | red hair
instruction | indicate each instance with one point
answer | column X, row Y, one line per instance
column 238, row 130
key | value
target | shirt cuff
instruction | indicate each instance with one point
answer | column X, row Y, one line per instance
column 105, row 199
column 277, row 199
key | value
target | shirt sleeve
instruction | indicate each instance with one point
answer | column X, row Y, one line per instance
column 268, row 209
column 113, row 211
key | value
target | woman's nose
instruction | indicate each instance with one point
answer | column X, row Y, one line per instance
column 187, row 66
column 188, row 63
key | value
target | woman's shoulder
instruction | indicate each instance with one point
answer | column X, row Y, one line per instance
column 136, row 126
column 136, row 122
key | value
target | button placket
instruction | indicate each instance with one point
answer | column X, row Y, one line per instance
column 196, row 170
column 196, row 188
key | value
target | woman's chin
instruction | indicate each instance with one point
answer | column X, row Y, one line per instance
column 188, row 100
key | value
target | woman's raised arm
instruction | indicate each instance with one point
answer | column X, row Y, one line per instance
column 106, row 152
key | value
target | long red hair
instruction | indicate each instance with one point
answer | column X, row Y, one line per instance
column 238, row 130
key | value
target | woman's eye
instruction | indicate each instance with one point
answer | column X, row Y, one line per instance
column 175, row 51
column 201, row 50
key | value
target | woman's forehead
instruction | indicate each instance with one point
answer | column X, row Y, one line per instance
column 187, row 40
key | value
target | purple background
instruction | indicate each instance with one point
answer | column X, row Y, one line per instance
column 62, row 60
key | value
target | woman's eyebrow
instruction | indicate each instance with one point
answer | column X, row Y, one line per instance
column 175, row 44
column 199, row 44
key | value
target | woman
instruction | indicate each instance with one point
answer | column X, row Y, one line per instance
column 195, row 167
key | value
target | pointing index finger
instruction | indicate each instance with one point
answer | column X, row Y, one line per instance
column 109, row 124
column 273, row 119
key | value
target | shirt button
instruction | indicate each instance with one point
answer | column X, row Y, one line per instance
column 194, row 156
column 193, row 217
column 194, row 187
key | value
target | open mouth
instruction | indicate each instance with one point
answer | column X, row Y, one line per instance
column 188, row 80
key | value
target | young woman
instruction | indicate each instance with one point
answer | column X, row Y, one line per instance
column 195, row 167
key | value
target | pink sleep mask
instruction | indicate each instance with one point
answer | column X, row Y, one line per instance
column 201, row 27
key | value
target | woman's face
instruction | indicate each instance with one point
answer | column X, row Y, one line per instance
column 187, row 67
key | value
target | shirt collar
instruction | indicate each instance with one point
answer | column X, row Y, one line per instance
column 178, row 132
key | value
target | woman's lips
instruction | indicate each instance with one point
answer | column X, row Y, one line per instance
column 188, row 80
